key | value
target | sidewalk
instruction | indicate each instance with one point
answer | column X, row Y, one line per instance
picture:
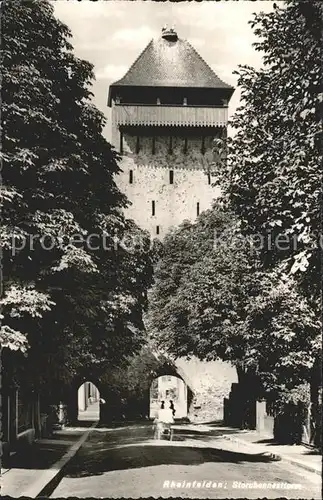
column 43, row 462
column 299, row 455
column 253, row 442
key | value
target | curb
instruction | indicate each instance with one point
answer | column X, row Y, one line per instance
column 275, row 456
column 303, row 466
column 51, row 477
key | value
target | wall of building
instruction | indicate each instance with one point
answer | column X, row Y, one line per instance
column 21, row 420
column 81, row 396
column 211, row 383
column 191, row 191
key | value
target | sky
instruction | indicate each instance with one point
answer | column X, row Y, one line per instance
column 111, row 34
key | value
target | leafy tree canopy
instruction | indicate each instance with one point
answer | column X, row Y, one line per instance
column 211, row 298
column 72, row 289
column 272, row 179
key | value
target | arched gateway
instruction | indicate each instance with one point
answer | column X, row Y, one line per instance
column 172, row 391
column 170, row 384
column 116, row 406
column 88, row 397
column 84, row 392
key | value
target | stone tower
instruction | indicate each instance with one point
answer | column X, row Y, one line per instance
column 166, row 112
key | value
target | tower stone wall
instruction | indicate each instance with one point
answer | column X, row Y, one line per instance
column 166, row 175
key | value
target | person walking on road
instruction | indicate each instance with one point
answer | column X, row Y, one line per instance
column 163, row 420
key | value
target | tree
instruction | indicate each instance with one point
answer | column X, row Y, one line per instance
column 272, row 179
column 72, row 289
column 194, row 288
column 211, row 298
column 251, row 294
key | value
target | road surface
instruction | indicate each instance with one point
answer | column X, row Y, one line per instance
column 127, row 462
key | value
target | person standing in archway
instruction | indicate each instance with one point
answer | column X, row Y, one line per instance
column 172, row 407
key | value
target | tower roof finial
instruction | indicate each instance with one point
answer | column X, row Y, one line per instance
column 169, row 33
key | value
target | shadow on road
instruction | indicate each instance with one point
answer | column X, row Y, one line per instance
column 121, row 452
column 214, row 423
column 193, row 432
column 84, row 423
column 124, row 423
column 134, row 457
column 36, row 457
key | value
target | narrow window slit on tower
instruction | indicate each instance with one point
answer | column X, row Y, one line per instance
column 137, row 145
column 170, row 148
column 209, row 178
column 185, row 145
column 130, row 176
column 157, row 229
column 171, row 177
column 121, row 142
column 153, row 148
column 153, row 207
column 197, row 208
column 203, row 146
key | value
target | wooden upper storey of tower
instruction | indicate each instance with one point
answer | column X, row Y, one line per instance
column 185, row 116
column 170, row 72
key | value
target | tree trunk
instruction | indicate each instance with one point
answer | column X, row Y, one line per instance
column 241, row 372
column 248, row 382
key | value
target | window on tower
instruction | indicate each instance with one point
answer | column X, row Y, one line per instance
column 203, row 146
column 170, row 145
column 130, row 176
column 197, row 208
column 209, row 178
column 171, row 177
column 185, row 145
column 153, row 207
column 157, row 229
column 121, row 142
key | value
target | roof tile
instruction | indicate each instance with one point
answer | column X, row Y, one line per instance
column 165, row 63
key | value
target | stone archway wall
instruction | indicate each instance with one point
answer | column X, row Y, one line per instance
column 212, row 382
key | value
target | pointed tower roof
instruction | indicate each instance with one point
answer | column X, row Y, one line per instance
column 170, row 62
